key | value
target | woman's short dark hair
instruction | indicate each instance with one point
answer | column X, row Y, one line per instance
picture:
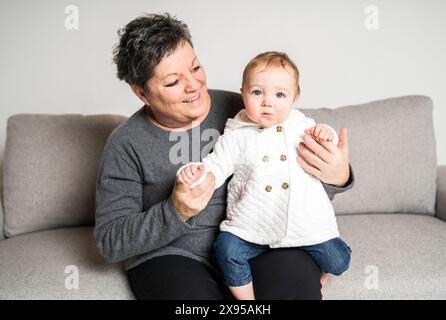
column 144, row 42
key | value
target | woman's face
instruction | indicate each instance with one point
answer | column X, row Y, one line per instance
column 177, row 92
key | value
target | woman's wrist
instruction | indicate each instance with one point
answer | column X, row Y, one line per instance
column 343, row 181
column 179, row 208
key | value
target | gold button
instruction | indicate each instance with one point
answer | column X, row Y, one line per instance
column 260, row 129
column 268, row 188
column 285, row 186
column 283, row 157
column 279, row 129
column 265, row 159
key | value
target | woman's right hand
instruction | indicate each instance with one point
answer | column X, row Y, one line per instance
column 190, row 202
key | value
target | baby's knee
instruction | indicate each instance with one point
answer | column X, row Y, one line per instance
column 340, row 263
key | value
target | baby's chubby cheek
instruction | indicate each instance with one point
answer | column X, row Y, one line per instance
column 253, row 116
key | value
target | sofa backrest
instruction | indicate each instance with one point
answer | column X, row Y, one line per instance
column 50, row 168
column 393, row 154
column 51, row 161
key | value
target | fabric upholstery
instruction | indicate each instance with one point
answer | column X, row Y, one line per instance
column 386, row 252
column 43, row 265
column 405, row 252
column 393, row 154
column 50, row 169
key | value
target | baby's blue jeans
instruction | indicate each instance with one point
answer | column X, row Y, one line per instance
column 233, row 255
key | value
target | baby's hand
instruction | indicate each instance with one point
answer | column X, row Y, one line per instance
column 191, row 174
column 320, row 133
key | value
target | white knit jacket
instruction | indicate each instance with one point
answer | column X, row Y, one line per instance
column 271, row 199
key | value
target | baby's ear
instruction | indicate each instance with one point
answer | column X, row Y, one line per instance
column 296, row 98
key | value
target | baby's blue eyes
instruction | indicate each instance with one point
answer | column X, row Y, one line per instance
column 278, row 94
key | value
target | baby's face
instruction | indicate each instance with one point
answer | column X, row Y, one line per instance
column 269, row 94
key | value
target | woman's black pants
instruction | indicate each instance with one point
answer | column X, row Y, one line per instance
column 286, row 273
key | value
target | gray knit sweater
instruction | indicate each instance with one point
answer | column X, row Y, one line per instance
column 135, row 217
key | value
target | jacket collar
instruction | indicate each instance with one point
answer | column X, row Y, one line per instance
column 242, row 120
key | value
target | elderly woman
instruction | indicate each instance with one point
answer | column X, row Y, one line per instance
column 165, row 231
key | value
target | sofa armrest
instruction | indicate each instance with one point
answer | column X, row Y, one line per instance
column 440, row 204
column 2, row 231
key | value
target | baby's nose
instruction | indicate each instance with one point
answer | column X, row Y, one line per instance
column 266, row 102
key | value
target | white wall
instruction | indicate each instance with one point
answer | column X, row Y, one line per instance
column 46, row 68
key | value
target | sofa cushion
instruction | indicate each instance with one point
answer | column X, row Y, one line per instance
column 50, row 169
column 45, row 265
column 393, row 257
column 392, row 152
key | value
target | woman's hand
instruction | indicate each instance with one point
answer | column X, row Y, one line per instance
column 326, row 161
column 189, row 202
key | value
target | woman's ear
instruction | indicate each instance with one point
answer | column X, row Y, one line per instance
column 140, row 93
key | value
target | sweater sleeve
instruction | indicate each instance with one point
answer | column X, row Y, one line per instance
column 122, row 229
column 332, row 190
column 221, row 161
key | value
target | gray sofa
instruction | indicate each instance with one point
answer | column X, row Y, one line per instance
column 393, row 218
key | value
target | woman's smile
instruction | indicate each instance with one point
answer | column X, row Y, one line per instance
column 192, row 99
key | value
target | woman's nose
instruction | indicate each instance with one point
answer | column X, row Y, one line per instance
column 192, row 84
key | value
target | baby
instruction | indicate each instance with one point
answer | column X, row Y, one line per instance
column 272, row 201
